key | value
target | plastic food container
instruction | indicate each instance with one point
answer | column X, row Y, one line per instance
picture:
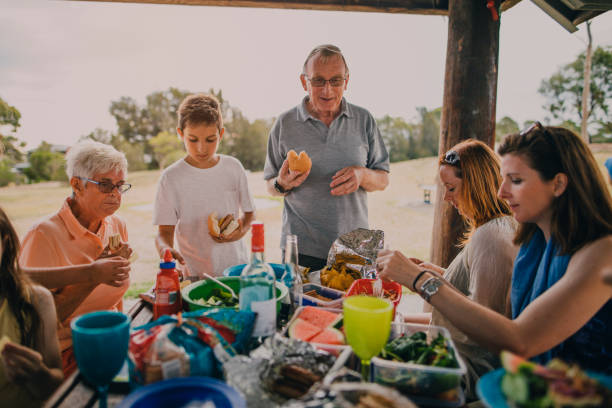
column 203, row 289
column 364, row 287
column 333, row 349
column 416, row 379
column 336, row 296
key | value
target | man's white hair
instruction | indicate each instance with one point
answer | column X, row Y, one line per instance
column 86, row 159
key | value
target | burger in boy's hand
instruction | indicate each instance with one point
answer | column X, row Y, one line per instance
column 221, row 228
column 301, row 162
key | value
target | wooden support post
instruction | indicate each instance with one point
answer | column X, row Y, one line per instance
column 470, row 92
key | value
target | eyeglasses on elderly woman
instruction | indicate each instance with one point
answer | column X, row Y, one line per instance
column 107, row 188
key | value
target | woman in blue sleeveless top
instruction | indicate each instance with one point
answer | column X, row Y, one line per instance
column 561, row 306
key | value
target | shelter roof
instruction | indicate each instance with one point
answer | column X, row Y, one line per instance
column 568, row 13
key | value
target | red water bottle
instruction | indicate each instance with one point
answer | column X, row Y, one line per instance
column 167, row 288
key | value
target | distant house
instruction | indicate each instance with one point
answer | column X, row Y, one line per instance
column 19, row 168
column 60, row 148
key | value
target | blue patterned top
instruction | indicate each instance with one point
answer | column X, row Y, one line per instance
column 537, row 267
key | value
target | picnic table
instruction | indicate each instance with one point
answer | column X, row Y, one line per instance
column 75, row 393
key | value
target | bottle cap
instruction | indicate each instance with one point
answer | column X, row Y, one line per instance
column 167, row 261
column 257, row 236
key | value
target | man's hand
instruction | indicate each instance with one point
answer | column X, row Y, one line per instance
column 290, row 179
column 111, row 271
column 347, row 181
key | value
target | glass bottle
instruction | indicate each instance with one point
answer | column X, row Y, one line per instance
column 294, row 277
column 257, row 286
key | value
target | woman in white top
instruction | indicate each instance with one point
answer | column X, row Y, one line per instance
column 470, row 172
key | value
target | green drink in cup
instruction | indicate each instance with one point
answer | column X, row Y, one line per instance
column 367, row 323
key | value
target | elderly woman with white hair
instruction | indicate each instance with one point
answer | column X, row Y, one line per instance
column 81, row 253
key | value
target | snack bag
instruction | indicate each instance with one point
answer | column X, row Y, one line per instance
column 357, row 248
column 192, row 344
column 352, row 256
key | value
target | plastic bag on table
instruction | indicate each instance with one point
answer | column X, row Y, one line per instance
column 196, row 343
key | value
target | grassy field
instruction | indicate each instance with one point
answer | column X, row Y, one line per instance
column 399, row 211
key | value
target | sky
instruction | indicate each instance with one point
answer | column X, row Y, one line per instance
column 63, row 62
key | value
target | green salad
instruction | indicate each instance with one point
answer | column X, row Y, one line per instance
column 219, row 297
column 415, row 349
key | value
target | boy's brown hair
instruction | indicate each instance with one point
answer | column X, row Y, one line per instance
column 477, row 165
column 200, row 109
column 583, row 213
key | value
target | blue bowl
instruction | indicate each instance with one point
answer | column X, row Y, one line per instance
column 178, row 392
column 235, row 270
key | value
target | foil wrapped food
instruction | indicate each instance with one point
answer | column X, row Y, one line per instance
column 358, row 249
column 256, row 376
column 352, row 395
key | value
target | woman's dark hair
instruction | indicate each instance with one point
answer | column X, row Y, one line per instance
column 15, row 286
column 583, row 213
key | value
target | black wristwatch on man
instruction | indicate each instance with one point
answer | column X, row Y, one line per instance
column 280, row 188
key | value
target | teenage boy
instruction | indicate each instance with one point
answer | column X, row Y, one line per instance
column 201, row 183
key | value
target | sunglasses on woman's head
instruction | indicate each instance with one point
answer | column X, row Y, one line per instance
column 534, row 125
column 451, row 157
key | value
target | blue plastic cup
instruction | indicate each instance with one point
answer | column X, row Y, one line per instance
column 100, row 341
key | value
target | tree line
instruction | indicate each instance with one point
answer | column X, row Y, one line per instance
column 146, row 133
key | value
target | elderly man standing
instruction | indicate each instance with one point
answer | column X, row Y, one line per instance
column 348, row 156
column 73, row 252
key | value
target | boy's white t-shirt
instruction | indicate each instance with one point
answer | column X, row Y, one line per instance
column 187, row 195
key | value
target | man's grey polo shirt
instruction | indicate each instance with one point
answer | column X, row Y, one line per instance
column 310, row 211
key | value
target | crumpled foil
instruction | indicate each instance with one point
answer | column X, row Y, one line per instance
column 358, row 249
column 252, row 376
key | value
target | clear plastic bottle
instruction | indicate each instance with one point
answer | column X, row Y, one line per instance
column 294, row 277
column 257, row 286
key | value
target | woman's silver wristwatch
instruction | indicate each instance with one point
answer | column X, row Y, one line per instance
column 430, row 288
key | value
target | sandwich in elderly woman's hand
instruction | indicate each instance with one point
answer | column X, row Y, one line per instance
column 117, row 248
column 114, row 242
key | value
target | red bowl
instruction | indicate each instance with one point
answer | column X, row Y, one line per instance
column 364, row 287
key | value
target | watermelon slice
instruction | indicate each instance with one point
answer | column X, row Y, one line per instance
column 512, row 363
column 329, row 336
column 318, row 317
column 303, row 330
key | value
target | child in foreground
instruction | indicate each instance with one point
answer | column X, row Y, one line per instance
column 202, row 183
column 31, row 366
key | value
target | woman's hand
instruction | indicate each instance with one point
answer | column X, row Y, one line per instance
column 124, row 250
column 22, row 363
column 432, row 267
column 393, row 265
column 26, row 367
column 111, row 271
